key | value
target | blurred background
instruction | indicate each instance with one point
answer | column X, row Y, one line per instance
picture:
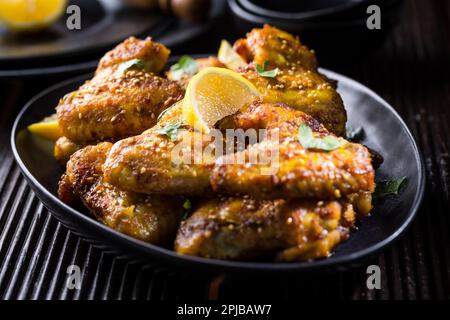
column 61, row 36
column 406, row 61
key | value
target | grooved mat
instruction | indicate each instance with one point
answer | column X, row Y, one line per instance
column 411, row 71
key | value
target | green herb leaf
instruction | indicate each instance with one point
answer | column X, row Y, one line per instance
column 389, row 187
column 131, row 64
column 263, row 72
column 308, row 141
column 187, row 205
column 186, row 65
column 170, row 130
column 354, row 134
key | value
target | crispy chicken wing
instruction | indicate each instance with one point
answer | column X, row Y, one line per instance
column 280, row 48
column 298, row 82
column 295, row 171
column 119, row 102
column 150, row 218
column 64, row 148
column 296, row 207
column 147, row 163
column 242, row 228
column 153, row 54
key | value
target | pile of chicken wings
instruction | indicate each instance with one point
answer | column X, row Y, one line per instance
column 119, row 165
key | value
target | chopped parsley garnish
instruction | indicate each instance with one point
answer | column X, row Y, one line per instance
column 187, row 205
column 185, row 66
column 131, row 64
column 170, row 130
column 308, row 141
column 354, row 134
column 263, row 72
column 389, row 187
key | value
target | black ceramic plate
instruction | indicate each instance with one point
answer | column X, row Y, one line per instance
column 59, row 51
column 334, row 40
column 384, row 131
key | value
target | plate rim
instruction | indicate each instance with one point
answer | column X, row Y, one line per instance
column 174, row 38
column 167, row 255
column 300, row 15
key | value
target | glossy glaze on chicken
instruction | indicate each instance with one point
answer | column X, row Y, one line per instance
column 300, row 212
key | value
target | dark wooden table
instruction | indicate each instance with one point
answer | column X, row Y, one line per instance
column 411, row 71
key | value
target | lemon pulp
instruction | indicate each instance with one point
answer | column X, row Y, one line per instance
column 48, row 128
column 213, row 94
column 28, row 15
column 229, row 57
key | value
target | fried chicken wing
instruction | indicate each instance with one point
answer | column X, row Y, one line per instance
column 298, row 174
column 241, row 228
column 146, row 163
column 299, row 205
column 119, row 102
column 64, row 148
column 298, row 82
column 280, row 48
column 150, row 218
column 153, row 54
column 294, row 171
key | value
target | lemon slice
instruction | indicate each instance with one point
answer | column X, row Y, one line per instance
column 48, row 128
column 30, row 15
column 213, row 94
column 229, row 57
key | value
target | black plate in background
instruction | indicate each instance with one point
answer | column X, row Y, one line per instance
column 336, row 41
column 60, row 51
column 301, row 10
column 103, row 23
column 384, row 131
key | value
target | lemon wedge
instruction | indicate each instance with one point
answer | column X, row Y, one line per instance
column 30, row 15
column 48, row 128
column 229, row 57
column 213, row 94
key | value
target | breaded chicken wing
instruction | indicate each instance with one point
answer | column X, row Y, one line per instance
column 279, row 47
column 119, row 102
column 298, row 206
column 150, row 218
column 298, row 83
column 64, row 148
column 146, row 163
column 153, row 54
column 241, row 228
column 296, row 172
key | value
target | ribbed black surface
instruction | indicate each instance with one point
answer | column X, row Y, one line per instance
column 412, row 72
